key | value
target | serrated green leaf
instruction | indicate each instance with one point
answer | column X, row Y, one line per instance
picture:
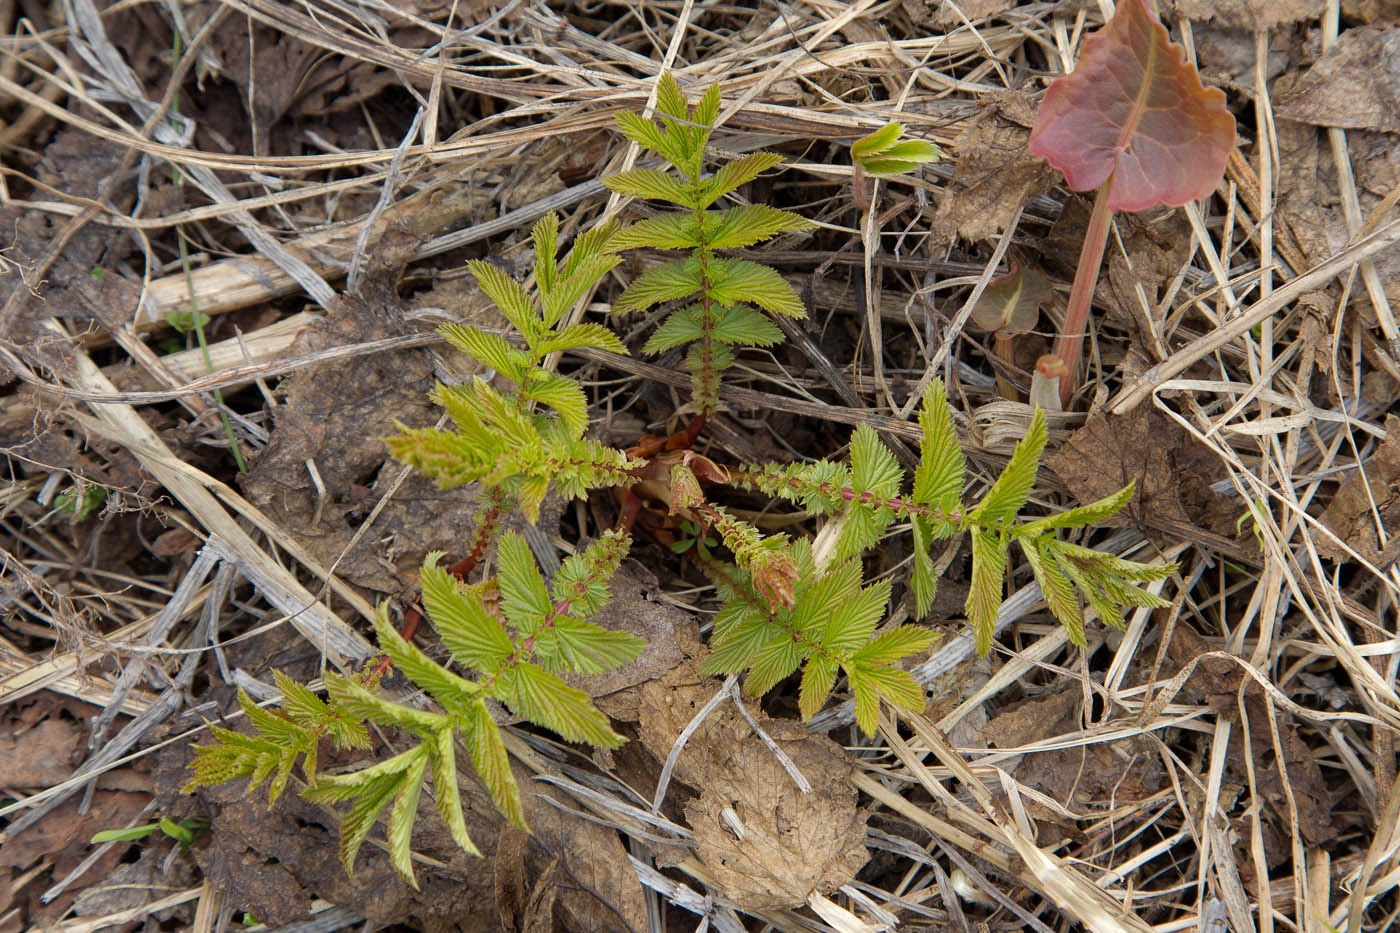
column 913, row 150
column 524, row 599
column 450, row 691
column 925, row 580
column 541, row 697
column 447, row 796
column 817, row 680
column 772, row 663
column 680, row 327
column 736, row 324
column 740, row 630
column 865, row 697
column 666, row 282
column 665, row 231
column 546, row 239
column 356, row 824
column 895, row 685
column 482, row 738
column 1091, row 514
column 354, row 700
column 938, row 481
column 580, row 647
column 873, row 467
column 489, row 349
column 730, row 176
column 825, row 596
column 401, row 817
column 736, row 280
column 670, row 99
column 751, row 223
column 652, row 184
column 888, row 168
column 645, row 133
column 1056, row 589
column 892, row 646
column 562, row 394
column 581, row 335
column 861, row 528
column 475, row 638
column 852, row 624
column 878, row 141
column 984, row 593
column 570, row 289
column 509, row 296
column 707, row 110
column 1013, row 487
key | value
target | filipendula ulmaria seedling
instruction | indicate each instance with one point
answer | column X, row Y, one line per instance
column 788, row 604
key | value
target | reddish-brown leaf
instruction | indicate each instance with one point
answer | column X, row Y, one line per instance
column 1135, row 110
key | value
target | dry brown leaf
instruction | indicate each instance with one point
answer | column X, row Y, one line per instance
column 792, row 843
column 993, row 176
column 1350, row 515
column 1356, row 85
column 1250, row 14
column 1173, row 472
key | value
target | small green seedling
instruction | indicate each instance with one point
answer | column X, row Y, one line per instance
column 80, row 500
column 182, row 832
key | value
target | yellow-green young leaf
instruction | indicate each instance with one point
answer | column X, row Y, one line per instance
column 861, row 528
column 490, row 349
column 1091, row 514
column 562, row 394
column 355, row 825
column 482, row 738
column 570, row 289
column 984, row 593
column 450, row 691
column 925, row 579
column 682, row 326
column 731, row 175
column 666, row 282
column 817, row 680
column 579, row 647
column 539, row 696
column 447, row 796
column 646, row 134
column 667, row 231
column 503, row 413
column 401, row 817
column 354, row 700
column 878, row 141
column 873, row 467
column 1013, row 487
column 591, row 335
column 897, row 686
column 736, row 280
column 546, row 238
column 736, row 324
column 529, row 494
column 524, row 598
column 670, row 99
column 475, row 638
column 865, row 696
column 938, row 481
column 509, row 295
column 653, row 184
column 707, row 110
column 894, row 645
column 772, row 663
column 740, row 631
column 748, row 224
column 852, row 624
column 1056, row 589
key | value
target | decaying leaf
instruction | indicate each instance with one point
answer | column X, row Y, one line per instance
column 1010, row 304
column 1355, row 85
column 1350, row 515
column 993, row 175
column 1173, row 472
column 766, row 842
column 1135, row 111
column 1250, row 14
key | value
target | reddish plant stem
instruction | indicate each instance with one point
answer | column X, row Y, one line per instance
column 1071, row 342
column 481, row 538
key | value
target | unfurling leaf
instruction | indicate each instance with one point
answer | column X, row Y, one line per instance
column 1134, row 110
column 1010, row 305
column 886, row 152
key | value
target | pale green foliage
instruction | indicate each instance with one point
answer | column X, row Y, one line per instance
column 516, row 660
column 727, row 294
column 867, row 496
column 829, row 626
column 886, row 152
column 501, row 440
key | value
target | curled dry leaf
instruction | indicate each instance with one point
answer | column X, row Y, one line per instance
column 1135, row 111
column 1010, row 304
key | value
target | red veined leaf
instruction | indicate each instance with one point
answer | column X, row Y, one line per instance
column 1135, row 110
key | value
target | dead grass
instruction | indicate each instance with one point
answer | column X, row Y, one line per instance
column 1226, row 763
